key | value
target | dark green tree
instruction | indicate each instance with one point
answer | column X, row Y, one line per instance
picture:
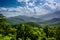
column 58, row 33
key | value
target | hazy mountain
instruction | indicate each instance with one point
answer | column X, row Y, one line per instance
column 54, row 21
column 21, row 19
column 51, row 19
column 51, row 15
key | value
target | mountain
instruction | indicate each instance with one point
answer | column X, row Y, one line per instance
column 50, row 19
column 51, row 15
column 54, row 21
column 22, row 19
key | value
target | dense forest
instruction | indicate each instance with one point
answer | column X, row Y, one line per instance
column 27, row 31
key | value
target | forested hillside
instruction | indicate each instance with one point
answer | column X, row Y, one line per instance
column 22, row 19
column 27, row 31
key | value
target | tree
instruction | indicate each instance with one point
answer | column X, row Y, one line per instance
column 4, row 25
column 58, row 33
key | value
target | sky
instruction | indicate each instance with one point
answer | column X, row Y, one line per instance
column 28, row 7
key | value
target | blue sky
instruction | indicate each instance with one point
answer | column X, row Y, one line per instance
column 28, row 7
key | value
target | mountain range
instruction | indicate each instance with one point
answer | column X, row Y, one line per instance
column 23, row 19
column 50, row 19
column 51, row 15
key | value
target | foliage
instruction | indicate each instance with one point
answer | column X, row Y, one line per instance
column 27, row 31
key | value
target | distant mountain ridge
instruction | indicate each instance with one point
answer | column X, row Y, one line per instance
column 51, row 15
column 22, row 19
column 51, row 19
column 54, row 21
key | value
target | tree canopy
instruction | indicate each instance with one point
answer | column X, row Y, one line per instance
column 27, row 31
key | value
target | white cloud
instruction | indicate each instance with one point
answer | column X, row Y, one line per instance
column 3, row 9
column 52, row 4
column 50, row 1
column 58, row 6
column 31, row 4
column 40, row 3
column 23, row 11
column 23, row 0
column 41, row 11
column 30, row 11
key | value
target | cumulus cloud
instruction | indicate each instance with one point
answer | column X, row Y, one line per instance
column 23, row 11
column 50, row 1
column 41, row 11
column 3, row 9
column 23, row 0
column 35, row 10
column 31, row 4
column 52, row 4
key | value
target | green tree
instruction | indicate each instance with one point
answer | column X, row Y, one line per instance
column 58, row 33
